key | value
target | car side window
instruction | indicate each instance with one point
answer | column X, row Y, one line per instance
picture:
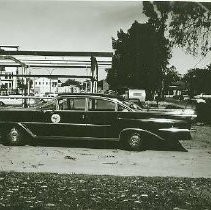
column 77, row 104
column 101, row 105
column 72, row 104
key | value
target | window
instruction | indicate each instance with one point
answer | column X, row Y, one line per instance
column 122, row 108
column 72, row 104
column 49, row 106
column 101, row 105
column 63, row 104
column 54, row 84
column 78, row 104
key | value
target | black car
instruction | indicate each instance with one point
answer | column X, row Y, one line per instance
column 203, row 109
column 93, row 117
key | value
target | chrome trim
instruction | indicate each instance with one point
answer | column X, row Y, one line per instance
column 174, row 130
column 27, row 130
column 76, row 138
column 51, row 123
column 141, row 130
column 61, row 123
column 158, row 120
column 98, row 125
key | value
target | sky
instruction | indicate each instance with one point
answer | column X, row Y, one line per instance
column 74, row 26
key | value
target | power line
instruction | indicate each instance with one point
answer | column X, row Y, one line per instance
column 199, row 61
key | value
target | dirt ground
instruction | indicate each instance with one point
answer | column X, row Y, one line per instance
column 113, row 161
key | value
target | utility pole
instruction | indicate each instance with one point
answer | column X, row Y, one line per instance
column 94, row 70
column 50, row 73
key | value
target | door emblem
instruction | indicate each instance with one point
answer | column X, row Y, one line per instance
column 55, row 118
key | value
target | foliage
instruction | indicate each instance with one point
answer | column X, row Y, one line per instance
column 71, row 191
column 70, row 82
column 188, row 24
column 199, row 80
column 3, row 87
column 21, row 85
column 140, row 58
column 2, row 68
column 171, row 75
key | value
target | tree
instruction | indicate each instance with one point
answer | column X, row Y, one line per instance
column 22, row 86
column 70, row 82
column 198, row 81
column 4, row 88
column 171, row 75
column 140, row 58
column 188, row 24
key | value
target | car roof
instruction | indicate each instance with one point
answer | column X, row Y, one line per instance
column 89, row 94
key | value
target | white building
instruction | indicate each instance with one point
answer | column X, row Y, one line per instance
column 8, row 83
column 69, row 89
column 44, row 85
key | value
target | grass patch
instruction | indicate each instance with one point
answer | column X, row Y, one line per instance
column 54, row 191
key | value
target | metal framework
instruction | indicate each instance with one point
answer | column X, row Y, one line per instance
column 50, row 59
column 58, row 53
column 46, row 75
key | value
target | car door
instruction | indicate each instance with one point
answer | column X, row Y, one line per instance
column 68, row 120
column 71, row 112
column 101, row 118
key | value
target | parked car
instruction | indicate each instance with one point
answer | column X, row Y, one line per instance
column 16, row 100
column 94, row 117
column 203, row 109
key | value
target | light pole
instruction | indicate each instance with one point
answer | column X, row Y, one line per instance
column 50, row 73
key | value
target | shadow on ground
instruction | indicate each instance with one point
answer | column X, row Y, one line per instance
column 93, row 144
column 78, row 144
column 151, row 144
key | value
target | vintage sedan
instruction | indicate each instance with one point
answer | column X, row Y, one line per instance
column 93, row 117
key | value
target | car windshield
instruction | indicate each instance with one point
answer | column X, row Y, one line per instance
column 47, row 105
column 132, row 105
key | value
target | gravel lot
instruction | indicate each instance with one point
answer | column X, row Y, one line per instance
column 107, row 159
column 80, row 176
